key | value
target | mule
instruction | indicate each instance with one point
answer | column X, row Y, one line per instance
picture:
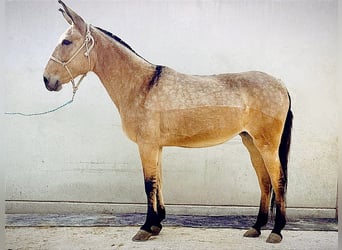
column 162, row 107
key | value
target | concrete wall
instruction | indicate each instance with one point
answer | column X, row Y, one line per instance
column 80, row 154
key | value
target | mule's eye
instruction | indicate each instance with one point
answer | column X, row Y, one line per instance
column 66, row 42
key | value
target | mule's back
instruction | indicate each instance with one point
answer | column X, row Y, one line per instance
column 249, row 90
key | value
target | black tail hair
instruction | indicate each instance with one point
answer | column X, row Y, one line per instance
column 284, row 149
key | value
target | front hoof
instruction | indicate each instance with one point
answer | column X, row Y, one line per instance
column 155, row 230
column 142, row 235
column 274, row 238
column 252, row 233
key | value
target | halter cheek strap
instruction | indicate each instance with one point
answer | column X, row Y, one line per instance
column 88, row 39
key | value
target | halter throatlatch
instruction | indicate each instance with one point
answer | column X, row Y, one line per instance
column 88, row 39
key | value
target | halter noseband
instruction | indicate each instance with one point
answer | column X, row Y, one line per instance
column 88, row 38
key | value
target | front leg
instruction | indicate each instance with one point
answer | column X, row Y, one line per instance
column 151, row 157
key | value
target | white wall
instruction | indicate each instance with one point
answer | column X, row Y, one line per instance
column 80, row 154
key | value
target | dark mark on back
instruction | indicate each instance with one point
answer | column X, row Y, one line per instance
column 155, row 78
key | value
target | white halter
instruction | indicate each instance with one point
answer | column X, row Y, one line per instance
column 88, row 38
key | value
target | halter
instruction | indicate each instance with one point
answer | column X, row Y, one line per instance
column 88, row 38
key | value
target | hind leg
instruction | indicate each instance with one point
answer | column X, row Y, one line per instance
column 160, row 200
column 273, row 166
column 278, row 184
column 264, row 183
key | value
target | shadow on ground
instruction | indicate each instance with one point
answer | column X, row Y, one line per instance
column 136, row 219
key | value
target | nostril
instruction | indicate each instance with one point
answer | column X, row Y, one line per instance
column 46, row 81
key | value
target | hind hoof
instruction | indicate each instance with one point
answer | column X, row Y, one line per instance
column 155, row 230
column 252, row 233
column 274, row 238
column 142, row 235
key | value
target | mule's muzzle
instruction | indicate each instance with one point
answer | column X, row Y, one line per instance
column 51, row 84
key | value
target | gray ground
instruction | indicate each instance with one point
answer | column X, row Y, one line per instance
column 180, row 232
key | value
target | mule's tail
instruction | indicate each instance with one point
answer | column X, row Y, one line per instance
column 284, row 149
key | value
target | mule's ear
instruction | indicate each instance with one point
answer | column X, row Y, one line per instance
column 72, row 17
column 69, row 20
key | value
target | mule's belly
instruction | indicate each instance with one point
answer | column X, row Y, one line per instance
column 200, row 127
column 200, row 142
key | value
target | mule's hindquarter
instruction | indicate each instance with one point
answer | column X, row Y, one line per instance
column 200, row 111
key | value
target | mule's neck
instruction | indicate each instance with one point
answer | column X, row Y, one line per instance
column 122, row 72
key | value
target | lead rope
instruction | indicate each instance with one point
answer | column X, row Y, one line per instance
column 42, row 113
column 88, row 38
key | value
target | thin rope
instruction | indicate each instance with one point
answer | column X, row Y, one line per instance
column 88, row 38
column 45, row 112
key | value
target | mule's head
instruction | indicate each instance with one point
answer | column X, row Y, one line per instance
column 70, row 58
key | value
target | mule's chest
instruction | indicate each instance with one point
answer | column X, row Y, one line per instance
column 140, row 124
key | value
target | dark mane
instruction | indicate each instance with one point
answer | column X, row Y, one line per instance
column 119, row 40
column 158, row 69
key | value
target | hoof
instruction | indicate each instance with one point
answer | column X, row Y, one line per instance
column 155, row 230
column 142, row 235
column 252, row 233
column 274, row 238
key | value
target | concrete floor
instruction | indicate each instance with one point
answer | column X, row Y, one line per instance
column 110, row 238
column 180, row 232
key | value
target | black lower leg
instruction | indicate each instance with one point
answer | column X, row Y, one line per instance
column 160, row 205
column 153, row 218
column 280, row 221
column 261, row 220
column 157, row 226
column 161, row 213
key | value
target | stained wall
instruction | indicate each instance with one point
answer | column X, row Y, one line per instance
column 79, row 155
